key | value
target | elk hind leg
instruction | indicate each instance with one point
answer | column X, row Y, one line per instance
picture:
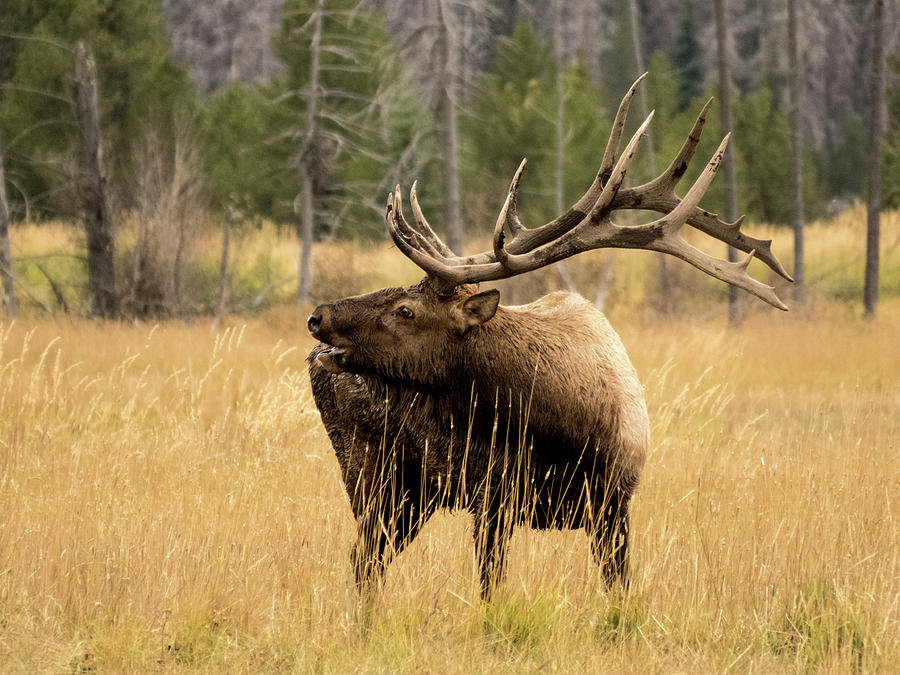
column 493, row 530
column 609, row 532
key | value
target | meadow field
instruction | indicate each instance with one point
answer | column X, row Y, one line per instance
column 170, row 503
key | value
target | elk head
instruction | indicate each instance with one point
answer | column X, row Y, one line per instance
column 412, row 333
column 394, row 331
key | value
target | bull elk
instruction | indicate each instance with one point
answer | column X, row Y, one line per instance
column 436, row 396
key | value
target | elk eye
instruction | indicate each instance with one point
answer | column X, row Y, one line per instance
column 404, row 312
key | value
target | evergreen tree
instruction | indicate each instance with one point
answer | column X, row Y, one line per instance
column 764, row 162
column 244, row 157
column 841, row 161
column 687, row 55
column 619, row 68
column 139, row 86
column 672, row 126
column 661, row 85
column 513, row 116
column 765, row 156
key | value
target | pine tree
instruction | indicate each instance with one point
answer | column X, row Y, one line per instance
column 687, row 58
column 619, row 65
column 513, row 115
column 245, row 161
column 765, row 160
column 140, row 86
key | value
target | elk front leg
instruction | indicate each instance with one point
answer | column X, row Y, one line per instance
column 387, row 521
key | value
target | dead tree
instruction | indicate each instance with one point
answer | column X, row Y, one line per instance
column 448, row 127
column 9, row 291
column 798, row 82
column 728, row 163
column 876, row 136
column 307, row 158
column 97, row 223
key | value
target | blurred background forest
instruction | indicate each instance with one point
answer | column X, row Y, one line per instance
column 241, row 150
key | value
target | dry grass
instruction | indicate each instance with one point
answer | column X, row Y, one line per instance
column 171, row 503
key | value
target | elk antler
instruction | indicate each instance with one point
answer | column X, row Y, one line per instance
column 587, row 225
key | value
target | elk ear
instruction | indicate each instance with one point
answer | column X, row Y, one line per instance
column 478, row 309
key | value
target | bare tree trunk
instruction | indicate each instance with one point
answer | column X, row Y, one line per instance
column 769, row 43
column 796, row 105
column 662, row 278
column 727, row 121
column 606, row 276
column 304, row 286
column 176, row 265
column 307, row 215
column 561, row 266
column 453, row 201
column 9, row 291
column 560, row 107
column 447, row 123
column 876, row 138
column 467, row 61
column 97, row 224
column 224, row 279
column 136, row 303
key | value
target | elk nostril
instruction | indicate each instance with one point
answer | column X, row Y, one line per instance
column 313, row 322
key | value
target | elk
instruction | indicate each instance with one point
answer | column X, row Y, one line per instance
column 436, row 396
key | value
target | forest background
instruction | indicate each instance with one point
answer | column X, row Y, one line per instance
column 225, row 119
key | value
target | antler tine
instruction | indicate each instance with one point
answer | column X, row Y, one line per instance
column 669, row 241
column 444, row 274
column 659, row 195
column 424, row 228
column 427, row 244
column 615, row 134
column 617, row 174
column 529, row 240
column 730, row 233
column 525, row 239
column 660, row 235
column 548, row 250
column 510, row 209
column 673, row 173
column 412, row 236
column 402, row 235
column 588, row 234
column 679, row 215
column 499, row 236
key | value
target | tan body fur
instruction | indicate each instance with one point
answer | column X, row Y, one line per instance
column 563, row 350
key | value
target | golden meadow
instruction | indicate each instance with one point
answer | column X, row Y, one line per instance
column 170, row 501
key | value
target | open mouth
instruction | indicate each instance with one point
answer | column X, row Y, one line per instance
column 332, row 358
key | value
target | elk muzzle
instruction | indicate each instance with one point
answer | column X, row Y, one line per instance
column 331, row 357
column 319, row 323
column 313, row 322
